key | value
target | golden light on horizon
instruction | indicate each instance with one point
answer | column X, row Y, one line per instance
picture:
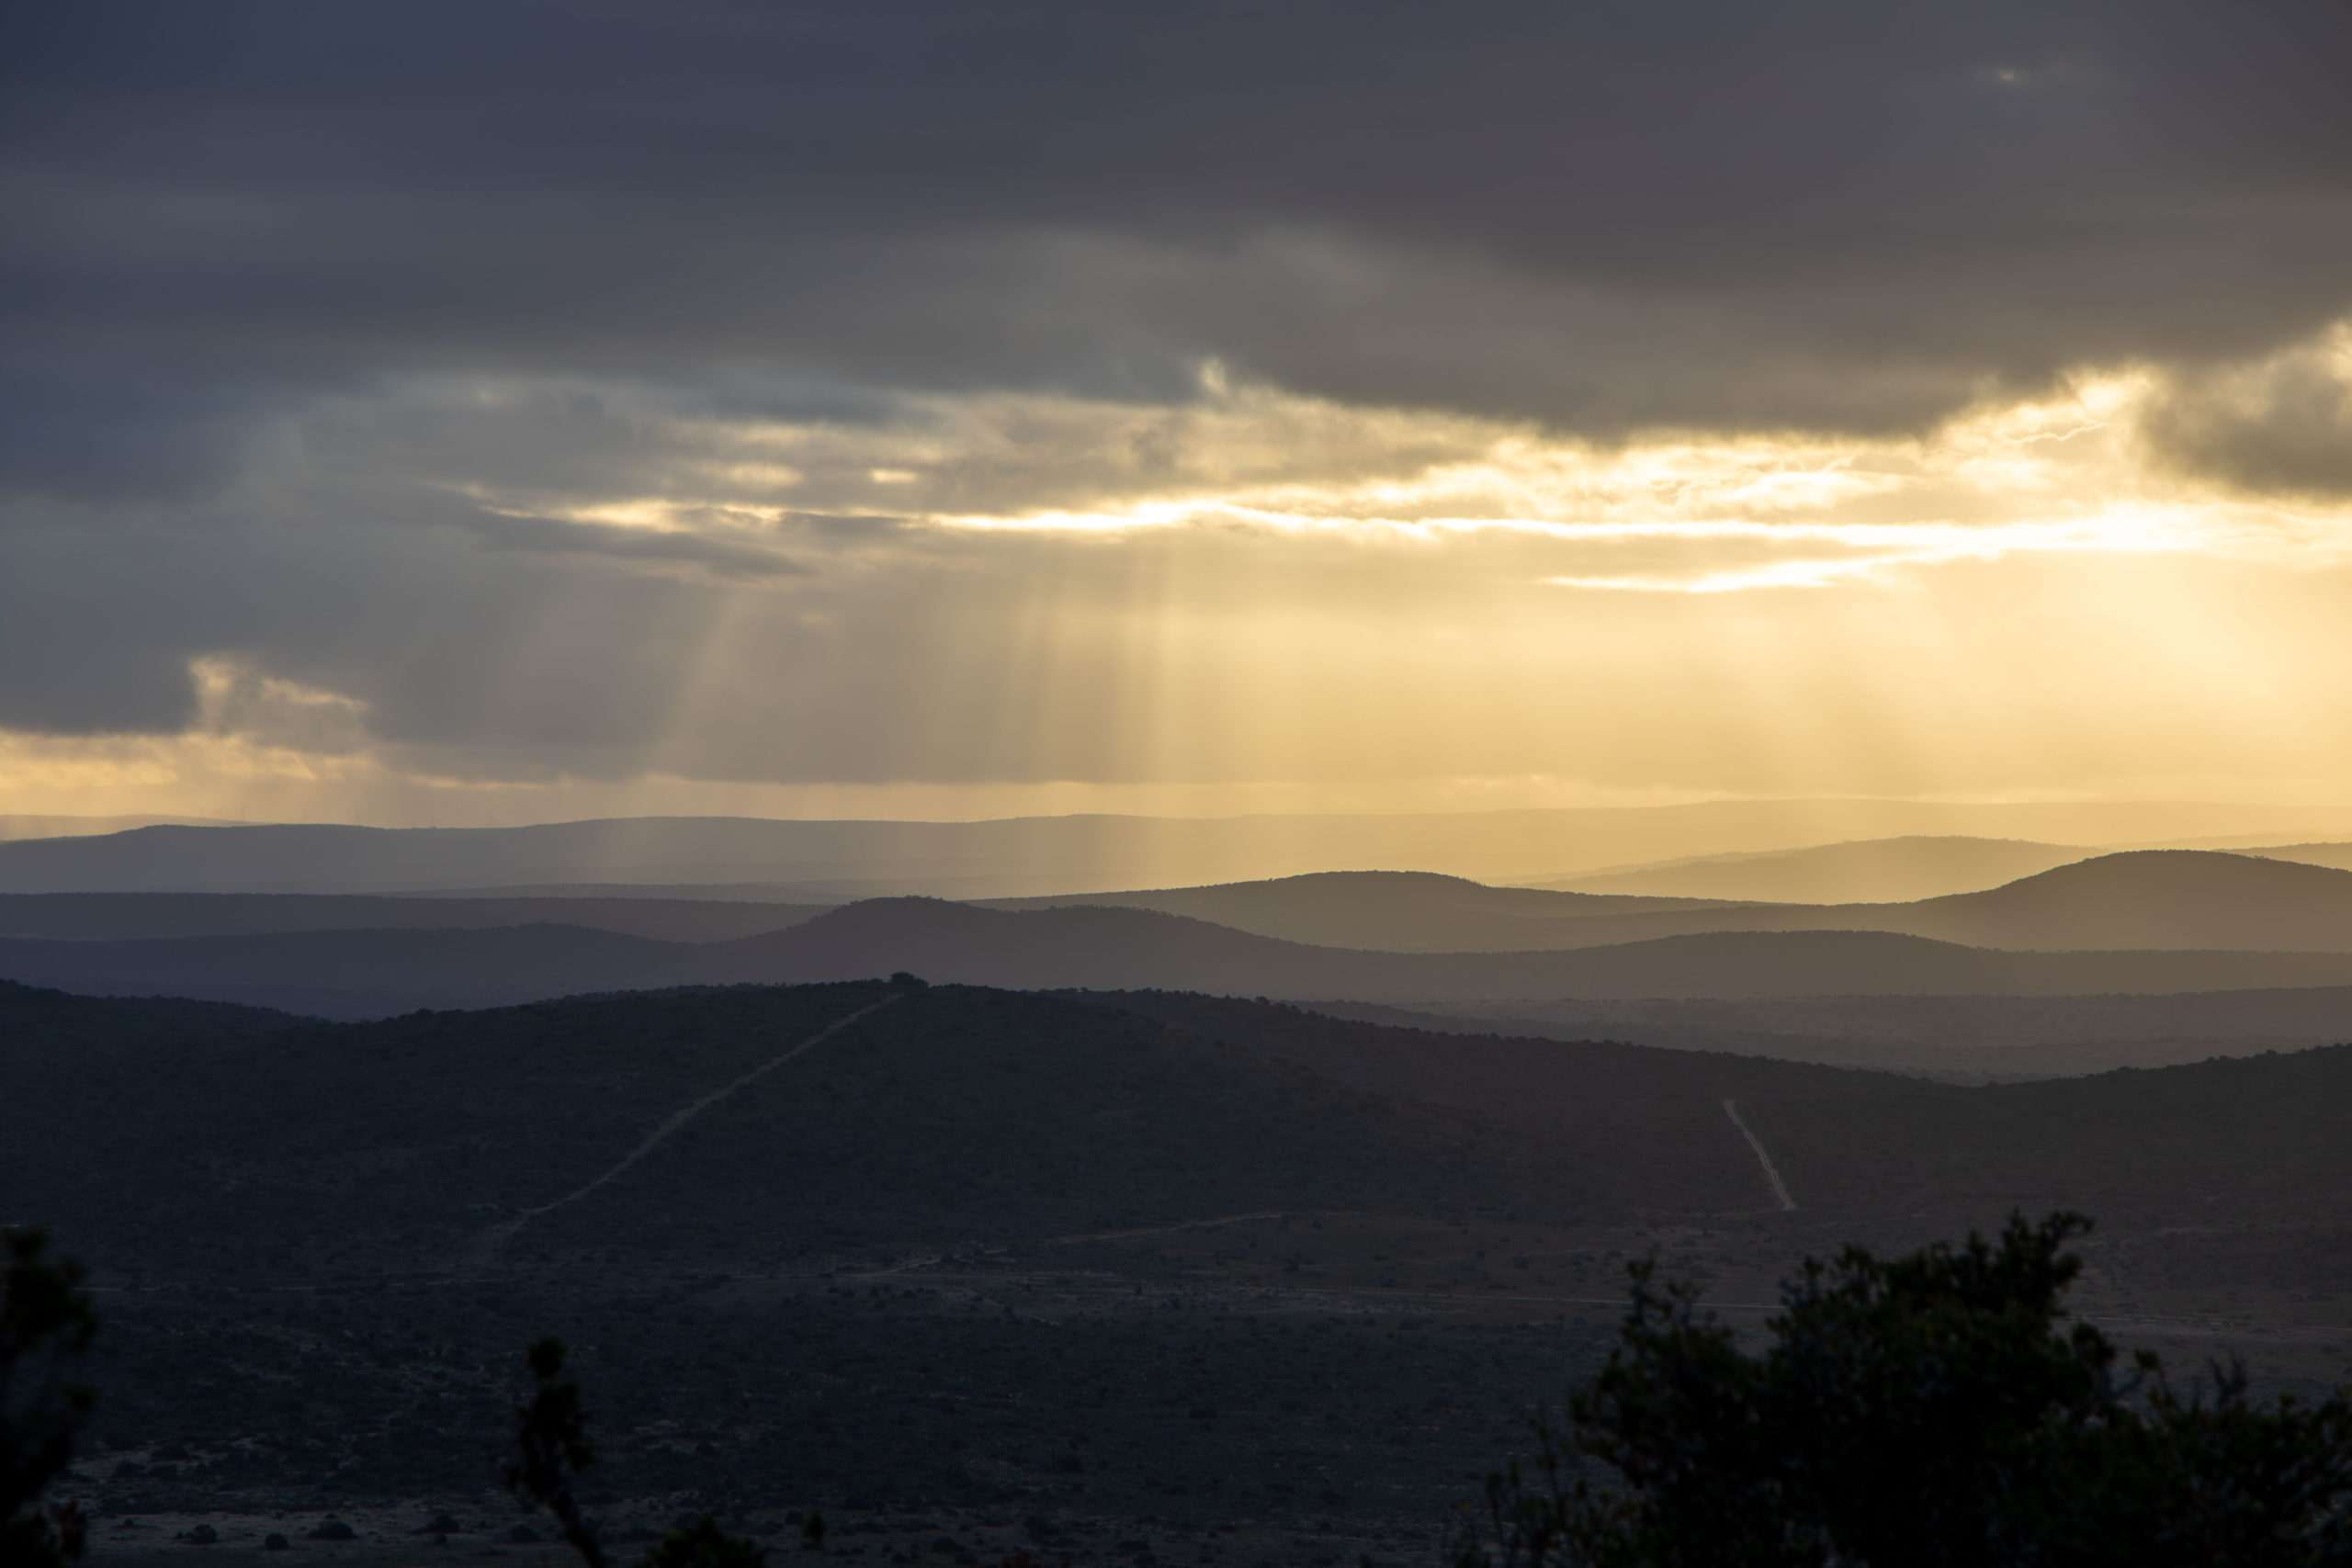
column 1261, row 595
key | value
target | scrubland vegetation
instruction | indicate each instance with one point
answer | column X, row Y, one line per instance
column 1061, row 1273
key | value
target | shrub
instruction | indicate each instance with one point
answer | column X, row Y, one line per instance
column 46, row 1326
column 1933, row 1410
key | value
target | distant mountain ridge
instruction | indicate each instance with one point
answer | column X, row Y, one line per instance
column 367, row 973
column 2134, row 899
column 2137, row 899
column 35, row 825
column 1016, row 856
column 95, row 917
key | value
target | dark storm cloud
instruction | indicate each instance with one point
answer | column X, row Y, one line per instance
column 113, row 432
column 1704, row 211
column 436, row 637
column 2283, row 424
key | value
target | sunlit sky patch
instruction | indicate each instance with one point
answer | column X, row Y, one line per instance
column 2070, row 473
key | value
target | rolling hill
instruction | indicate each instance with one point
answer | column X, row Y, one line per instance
column 1394, row 911
column 1072, row 1260
column 2244, row 1143
column 958, row 1115
column 1080, row 1255
column 947, row 1115
column 1873, row 871
column 359, row 974
column 2199, row 899
column 2336, row 855
column 42, row 1026
column 2185, row 898
column 1113, row 949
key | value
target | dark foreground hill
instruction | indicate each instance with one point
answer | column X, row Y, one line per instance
column 955, row 1115
column 373, row 973
column 46, row 1027
column 2252, row 1143
column 941, row 1116
column 1055, row 1261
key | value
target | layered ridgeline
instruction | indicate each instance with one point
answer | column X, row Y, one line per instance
column 2174, row 956
column 2154, row 898
column 363, row 974
column 2167, row 899
column 798, row 862
column 2136, row 924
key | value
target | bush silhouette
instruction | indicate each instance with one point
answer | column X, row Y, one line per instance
column 46, row 1326
column 553, row 1446
column 1931, row 1409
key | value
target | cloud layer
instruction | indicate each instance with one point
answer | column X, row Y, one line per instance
column 1670, row 398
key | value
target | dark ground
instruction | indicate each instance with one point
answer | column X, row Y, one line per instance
column 1140, row 1279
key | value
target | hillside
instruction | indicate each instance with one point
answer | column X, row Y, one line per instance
column 1875, row 871
column 945, row 1116
column 39, row 1025
column 2174, row 900
column 1970, row 1039
column 759, row 1306
column 2252, row 1142
column 2202, row 900
column 2336, row 855
column 1391, row 911
column 2184, row 899
column 373, row 973
column 1094, row 1254
column 958, row 1115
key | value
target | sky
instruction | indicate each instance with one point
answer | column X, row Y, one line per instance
column 495, row 412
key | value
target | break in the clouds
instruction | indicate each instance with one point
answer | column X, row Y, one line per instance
column 542, row 399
